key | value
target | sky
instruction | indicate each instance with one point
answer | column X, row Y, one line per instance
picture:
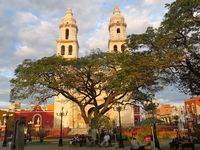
column 29, row 30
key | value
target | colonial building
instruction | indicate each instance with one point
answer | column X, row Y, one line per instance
column 192, row 108
column 67, row 47
column 164, row 112
column 38, row 116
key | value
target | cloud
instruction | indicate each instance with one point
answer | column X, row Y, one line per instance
column 4, row 88
column 99, row 38
column 171, row 94
column 157, row 2
column 26, row 17
column 37, row 41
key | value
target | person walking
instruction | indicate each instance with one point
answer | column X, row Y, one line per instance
column 106, row 140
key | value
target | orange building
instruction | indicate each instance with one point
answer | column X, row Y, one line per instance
column 164, row 112
column 192, row 107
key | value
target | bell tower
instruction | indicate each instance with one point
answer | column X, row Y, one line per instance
column 67, row 43
column 117, row 32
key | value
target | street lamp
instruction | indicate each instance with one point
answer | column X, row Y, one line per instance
column 176, row 123
column 151, row 105
column 61, row 114
column 30, row 124
column 5, row 140
column 120, row 107
column 25, row 135
column 187, row 116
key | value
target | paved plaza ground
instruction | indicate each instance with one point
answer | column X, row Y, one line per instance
column 53, row 146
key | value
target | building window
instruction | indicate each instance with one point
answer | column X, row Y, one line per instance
column 70, row 50
column 62, row 50
column 123, row 48
column 188, row 108
column 193, row 108
column 67, row 34
column 115, row 48
column 118, row 30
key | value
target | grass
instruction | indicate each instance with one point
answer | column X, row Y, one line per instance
column 46, row 143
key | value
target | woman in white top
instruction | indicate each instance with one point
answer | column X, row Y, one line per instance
column 135, row 144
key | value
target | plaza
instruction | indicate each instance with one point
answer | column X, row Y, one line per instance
column 54, row 146
column 99, row 75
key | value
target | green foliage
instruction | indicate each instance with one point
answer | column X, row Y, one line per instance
column 110, row 77
column 166, row 136
column 141, row 137
column 196, row 135
column 124, row 137
column 101, row 122
column 175, row 45
column 42, row 133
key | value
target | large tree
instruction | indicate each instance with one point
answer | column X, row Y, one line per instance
column 97, row 81
column 178, row 37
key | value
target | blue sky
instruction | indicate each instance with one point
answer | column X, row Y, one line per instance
column 29, row 29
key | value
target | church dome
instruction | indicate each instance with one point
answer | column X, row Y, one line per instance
column 116, row 17
column 68, row 19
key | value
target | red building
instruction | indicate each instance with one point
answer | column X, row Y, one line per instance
column 38, row 116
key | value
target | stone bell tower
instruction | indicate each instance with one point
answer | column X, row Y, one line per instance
column 67, row 43
column 67, row 47
column 117, row 31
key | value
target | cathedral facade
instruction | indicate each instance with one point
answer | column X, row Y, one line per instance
column 68, row 47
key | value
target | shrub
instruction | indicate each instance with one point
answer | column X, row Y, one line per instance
column 42, row 133
column 141, row 137
column 166, row 136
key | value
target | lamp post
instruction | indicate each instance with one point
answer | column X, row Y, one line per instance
column 176, row 122
column 5, row 140
column 187, row 116
column 25, row 135
column 61, row 114
column 30, row 124
column 120, row 107
column 151, row 105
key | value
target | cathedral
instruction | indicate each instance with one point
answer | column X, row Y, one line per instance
column 68, row 47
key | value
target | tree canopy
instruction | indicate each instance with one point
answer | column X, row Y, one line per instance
column 177, row 37
column 96, row 81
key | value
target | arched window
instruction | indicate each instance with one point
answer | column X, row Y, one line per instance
column 123, row 48
column 118, row 30
column 70, row 50
column 67, row 34
column 188, row 108
column 193, row 108
column 115, row 48
column 62, row 50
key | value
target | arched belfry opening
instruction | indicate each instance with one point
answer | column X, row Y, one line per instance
column 70, row 50
column 115, row 48
column 118, row 30
column 123, row 47
column 67, row 34
column 62, row 50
